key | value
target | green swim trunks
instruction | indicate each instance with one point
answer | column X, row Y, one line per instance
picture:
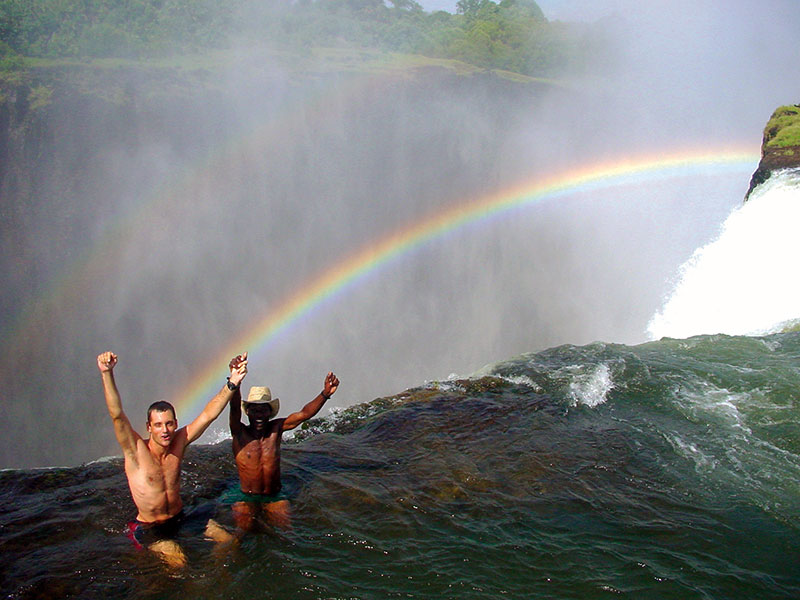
column 235, row 494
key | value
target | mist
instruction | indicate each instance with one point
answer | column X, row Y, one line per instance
column 228, row 203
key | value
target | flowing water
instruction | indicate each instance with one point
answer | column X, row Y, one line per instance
column 741, row 282
column 663, row 470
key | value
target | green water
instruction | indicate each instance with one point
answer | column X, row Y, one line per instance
column 666, row 470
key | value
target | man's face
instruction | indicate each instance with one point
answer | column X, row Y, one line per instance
column 162, row 426
column 259, row 414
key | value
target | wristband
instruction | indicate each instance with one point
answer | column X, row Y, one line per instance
column 322, row 393
column 231, row 386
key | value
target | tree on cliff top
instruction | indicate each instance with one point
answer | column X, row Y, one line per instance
column 512, row 35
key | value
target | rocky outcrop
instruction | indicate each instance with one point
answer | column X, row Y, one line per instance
column 780, row 148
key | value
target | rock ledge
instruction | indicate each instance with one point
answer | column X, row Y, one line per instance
column 780, row 147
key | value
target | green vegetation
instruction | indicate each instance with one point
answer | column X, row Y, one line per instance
column 11, row 64
column 783, row 128
column 39, row 97
column 791, row 327
column 511, row 35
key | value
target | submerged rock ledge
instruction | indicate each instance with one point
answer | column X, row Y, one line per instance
column 780, row 147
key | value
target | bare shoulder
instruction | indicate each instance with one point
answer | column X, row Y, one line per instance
column 180, row 441
column 241, row 438
column 140, row 454
column 284, row 424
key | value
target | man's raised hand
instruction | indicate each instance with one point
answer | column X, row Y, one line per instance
column 106, row 362
column 331, row 385
column 238, row 367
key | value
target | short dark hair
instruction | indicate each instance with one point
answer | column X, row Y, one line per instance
column 161, row 406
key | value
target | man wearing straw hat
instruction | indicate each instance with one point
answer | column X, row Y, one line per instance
column 257, row 449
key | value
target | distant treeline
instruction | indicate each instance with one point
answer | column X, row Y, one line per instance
column 512, row 34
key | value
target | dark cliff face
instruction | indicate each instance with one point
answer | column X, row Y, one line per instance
column 780, row 147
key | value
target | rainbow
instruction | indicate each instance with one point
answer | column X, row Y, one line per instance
column 336, row 280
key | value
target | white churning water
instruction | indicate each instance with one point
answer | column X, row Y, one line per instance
column 745, row 281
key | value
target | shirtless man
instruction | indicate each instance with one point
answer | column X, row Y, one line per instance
column 153, row 466
column 257, row 449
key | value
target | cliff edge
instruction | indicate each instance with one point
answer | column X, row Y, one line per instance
column 780, row 148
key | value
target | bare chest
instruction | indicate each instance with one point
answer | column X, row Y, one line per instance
column 158, row 473
column 258, row 449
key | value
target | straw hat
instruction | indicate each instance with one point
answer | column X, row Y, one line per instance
column 262, row 395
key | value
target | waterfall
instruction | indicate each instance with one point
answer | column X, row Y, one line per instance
column 744, row 282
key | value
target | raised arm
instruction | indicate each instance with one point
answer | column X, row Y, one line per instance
column 124, row 432
column 235, row 406
column 313, row 407
column 214, row 408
